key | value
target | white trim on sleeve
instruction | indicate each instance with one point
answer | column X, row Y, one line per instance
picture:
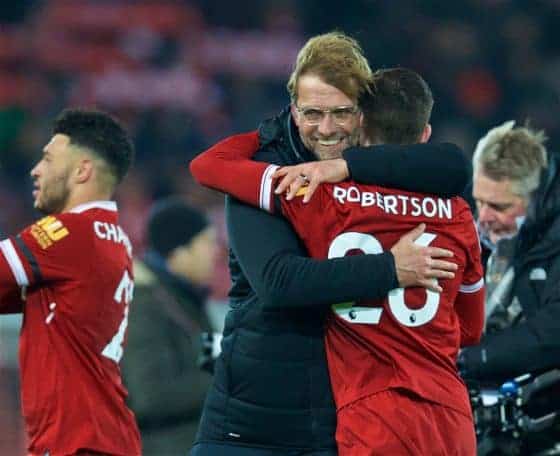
column 266, row 188
column 471, row 288
column 14, row 262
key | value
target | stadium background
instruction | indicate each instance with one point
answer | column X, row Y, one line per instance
column 183, row 74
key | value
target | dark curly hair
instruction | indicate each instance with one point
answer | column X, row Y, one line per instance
column 101, row 134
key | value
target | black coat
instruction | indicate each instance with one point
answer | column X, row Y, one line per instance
column 160, row 370
column 532, row 344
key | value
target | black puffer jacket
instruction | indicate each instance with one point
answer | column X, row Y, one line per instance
column 271, row 386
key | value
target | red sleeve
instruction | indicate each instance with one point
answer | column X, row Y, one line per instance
column 470, row 310
column 469, row 304
column 227, row 167
column 46, row 251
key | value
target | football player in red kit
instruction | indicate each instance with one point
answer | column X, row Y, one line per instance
column 393, row 362
column 70, row 274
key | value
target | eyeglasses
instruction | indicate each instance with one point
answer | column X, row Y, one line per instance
column 340, row 114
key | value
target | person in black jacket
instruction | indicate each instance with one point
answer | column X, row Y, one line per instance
column 271, row 393
column 516, row 187
column 515, row 184
column 165, row 385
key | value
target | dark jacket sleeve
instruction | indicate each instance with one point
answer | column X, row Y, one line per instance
column 530, row 346
column 274, row 262
column 160, row 365
column 441, row 169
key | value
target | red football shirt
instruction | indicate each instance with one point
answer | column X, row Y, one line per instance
column 411, row 338
column 75, row 272
column 408, row 340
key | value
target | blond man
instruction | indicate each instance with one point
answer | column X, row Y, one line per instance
column 271, row 393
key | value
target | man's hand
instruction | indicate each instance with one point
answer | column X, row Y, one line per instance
column 419, row 266
column 311, row 174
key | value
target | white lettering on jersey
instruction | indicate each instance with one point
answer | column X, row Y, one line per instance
column 50, row 316
column 123, row 294
column 114, row 233
column 396, row 204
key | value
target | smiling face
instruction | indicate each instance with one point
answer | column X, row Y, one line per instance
column 328, row 138
column 51, row 176
column 498, row 207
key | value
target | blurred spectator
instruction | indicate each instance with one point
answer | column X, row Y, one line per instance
column 166, row 386
column 516, row 187
column 188, row 73
column 518, row 201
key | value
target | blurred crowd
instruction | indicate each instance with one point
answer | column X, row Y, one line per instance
column 183, row 74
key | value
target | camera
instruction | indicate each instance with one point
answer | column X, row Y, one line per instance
column 518, row 417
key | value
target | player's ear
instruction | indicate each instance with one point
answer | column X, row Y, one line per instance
column 84, row 170
column 426, row 133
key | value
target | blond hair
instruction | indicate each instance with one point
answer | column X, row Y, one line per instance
column 337, row 59
column 517, row 154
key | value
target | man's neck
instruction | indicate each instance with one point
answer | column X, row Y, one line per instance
column 79, row 198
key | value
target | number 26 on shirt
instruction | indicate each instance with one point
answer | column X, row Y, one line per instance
column 368, row 243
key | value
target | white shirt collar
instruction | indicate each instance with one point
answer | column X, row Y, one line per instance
column 107, row 205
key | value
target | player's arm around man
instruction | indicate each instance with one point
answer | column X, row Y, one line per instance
column 226, row 167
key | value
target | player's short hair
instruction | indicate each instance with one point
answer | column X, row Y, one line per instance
column 397, row 107
column 337, row 59
column 514, row 153
column 101, row 134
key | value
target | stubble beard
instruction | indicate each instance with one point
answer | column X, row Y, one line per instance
column 53, row 197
